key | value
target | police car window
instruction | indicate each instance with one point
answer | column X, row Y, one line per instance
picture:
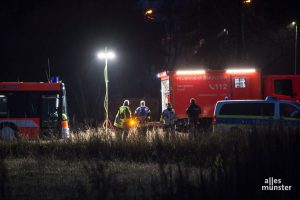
column 248, row 109
column 239, row 82
column 287, row 110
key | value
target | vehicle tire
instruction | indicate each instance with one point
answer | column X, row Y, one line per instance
column 8, row 131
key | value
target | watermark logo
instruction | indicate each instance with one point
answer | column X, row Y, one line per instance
column 275, row 184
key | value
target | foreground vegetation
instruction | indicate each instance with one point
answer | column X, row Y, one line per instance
column 93, row 165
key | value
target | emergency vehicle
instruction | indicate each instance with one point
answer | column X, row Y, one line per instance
column 238, row 115
column 33, row 110
column 210, row 86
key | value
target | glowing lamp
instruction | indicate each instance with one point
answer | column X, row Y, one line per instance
column 190, row 72
column 237, row 71
column 162, row 74
column 149, row 12
column 105, row 55
column 132, row 122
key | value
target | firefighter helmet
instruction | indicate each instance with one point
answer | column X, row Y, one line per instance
column 126, row 103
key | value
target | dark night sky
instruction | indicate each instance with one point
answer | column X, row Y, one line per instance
column 70, row 32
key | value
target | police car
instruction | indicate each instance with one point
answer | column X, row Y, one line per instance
column 232, row 115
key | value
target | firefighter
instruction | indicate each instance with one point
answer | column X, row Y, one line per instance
column 142, row 113
column 64, row 116
column 54, row 116
column 121, row 121
column 193, row 112
column 168, row 118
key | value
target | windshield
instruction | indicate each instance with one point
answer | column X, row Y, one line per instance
column 50, row 105
column 289, row 110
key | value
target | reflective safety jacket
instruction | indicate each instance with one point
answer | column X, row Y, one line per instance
column 142, row 113
column 64, row 116
column 122, row 117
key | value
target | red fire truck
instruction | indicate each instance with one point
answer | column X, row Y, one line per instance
column 210, row 86
column 33, row 110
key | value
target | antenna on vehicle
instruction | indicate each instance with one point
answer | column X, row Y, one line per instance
column 48, row 73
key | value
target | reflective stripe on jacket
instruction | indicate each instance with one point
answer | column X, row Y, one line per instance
column 122, row 117
column 142, row 112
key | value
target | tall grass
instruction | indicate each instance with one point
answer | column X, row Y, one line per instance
column 207, row 166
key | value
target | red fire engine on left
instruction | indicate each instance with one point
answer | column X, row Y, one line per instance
column 33, row 110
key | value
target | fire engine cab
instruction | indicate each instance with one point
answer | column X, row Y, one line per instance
column 32, row 110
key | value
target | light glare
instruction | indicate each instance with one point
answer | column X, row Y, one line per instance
column 101, row 55
column 190, row 72
column 236, row 71
column 148, row 12
column 105, row 55
column 162, row 74
column 111, row 55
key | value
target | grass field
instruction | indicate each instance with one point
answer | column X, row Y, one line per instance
column 93, row 165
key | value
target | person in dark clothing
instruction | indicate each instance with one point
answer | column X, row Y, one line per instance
column 193, row 112
column 168, row 117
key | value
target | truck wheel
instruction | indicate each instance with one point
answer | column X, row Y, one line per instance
column 8, row 132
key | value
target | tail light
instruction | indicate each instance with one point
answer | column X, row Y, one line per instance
column 214, row 120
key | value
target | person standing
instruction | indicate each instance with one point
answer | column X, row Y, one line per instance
column 193, row 112
column 142, row 113
column 121, row 120
column 168, row 118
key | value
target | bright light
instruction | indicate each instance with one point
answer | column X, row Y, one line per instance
column 162, row 74
column 105, row 55
column 190, row 72
column 237, row 71
column 294, row 23
column 101, row 55
column 111, row 55
column 247, row 1
column 132, row 122
column 149, row 12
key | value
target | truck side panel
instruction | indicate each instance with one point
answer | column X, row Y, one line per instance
column 246, row 86
column 206, row 88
